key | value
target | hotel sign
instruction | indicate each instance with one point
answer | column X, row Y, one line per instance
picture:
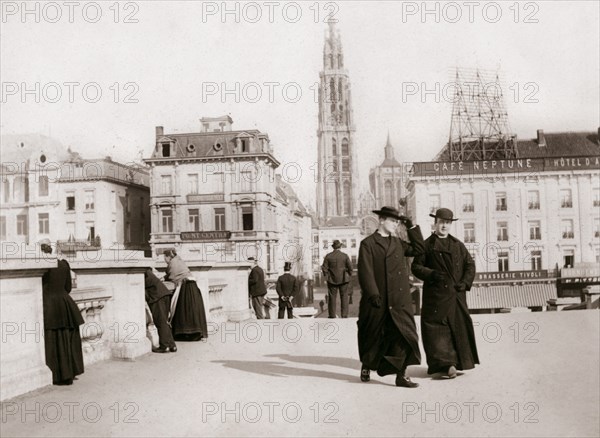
column 511, row 275
column 205, row 235
column 206, row 197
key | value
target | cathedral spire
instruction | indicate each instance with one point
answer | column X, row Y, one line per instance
column 337, row 184
column 389, row 150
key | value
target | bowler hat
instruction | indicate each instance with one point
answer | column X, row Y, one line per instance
column 336, row 244
column 444, row 213
column 287, row 266
column 388, row 212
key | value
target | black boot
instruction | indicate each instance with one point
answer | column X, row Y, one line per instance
column 365, row 374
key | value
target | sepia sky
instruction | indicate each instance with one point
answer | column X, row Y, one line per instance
column 157, row 64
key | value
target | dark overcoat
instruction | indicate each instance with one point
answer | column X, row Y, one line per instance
column 337, row 268
column 287, row 286
column 385, row 273
column 444, row 308
column 256, row 282
column 60, row 311
column 155, row 289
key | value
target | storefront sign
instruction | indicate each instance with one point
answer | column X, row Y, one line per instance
column 511, row 275
column 205, row 235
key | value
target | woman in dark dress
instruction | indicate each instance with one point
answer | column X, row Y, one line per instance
column 188, row 318
column 64, row 355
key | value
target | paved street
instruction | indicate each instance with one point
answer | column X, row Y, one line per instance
column 539, row 377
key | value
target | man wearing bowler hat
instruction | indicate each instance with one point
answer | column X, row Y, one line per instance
column 337, row 270
column 287, row 288
column 447, row 270
column 387, row 333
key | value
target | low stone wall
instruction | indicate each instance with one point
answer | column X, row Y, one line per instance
column 110, row 296
column 108, row 288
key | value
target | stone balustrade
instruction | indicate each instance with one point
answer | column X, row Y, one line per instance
column 108, row 289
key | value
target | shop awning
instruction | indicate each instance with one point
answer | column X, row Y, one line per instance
column 504, row 296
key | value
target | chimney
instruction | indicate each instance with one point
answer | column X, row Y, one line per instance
column 159, row 131
column 541, row 140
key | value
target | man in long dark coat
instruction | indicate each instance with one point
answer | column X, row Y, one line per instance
column 447, row 270
column 337, row 270
column 387, row 333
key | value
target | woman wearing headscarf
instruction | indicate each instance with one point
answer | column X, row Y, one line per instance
column 64, row 354
column 188, row 318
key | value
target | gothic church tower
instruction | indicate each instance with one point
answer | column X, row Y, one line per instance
column 337, row 172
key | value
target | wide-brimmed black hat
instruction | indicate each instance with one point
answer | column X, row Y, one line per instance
column 388, row 212
column 444, row 213
column 287, row 266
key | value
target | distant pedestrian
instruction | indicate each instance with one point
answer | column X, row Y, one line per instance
column 337, row 271
column 158, row 297
column 188, row 317
column 447, row 270
column 287, row 289
column 387, row 333
column 258, row 290
column 62, row 318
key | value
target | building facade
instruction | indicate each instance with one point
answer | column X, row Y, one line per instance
column 215, row 197
column 523, row 219
column 50, row 192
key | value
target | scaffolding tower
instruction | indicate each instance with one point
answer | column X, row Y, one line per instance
column 479, row 128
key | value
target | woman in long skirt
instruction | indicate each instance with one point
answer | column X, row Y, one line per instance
column 188, row 317
column 64, row 355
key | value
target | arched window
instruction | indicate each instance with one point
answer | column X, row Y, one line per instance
column 347, row 197
column 345, row 147
column 340, row 61
column 340, row 89
column 388, row 193
column 332, row 89
column 331, row 61
column 336, row 198
column 333, row 109
column 333, row 147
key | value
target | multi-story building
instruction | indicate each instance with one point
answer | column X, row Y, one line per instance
column 48, row 191
column 215, row 197
column 523, row 219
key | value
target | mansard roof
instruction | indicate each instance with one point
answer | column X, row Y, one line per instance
column 209, row 144
column 557, row 144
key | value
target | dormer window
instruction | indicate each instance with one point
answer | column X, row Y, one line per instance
column 244, row 144
column 166, row 149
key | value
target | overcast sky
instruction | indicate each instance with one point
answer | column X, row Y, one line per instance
column 168, row 61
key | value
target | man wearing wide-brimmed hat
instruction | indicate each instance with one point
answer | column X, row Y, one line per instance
column 387, row 333
column 447, row 270
column 337, row 271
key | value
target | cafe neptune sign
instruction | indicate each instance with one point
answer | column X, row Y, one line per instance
column 505, row 166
